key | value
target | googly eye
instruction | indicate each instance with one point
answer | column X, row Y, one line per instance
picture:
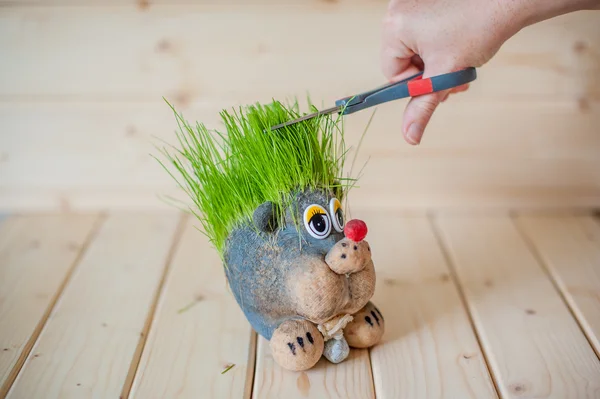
column 337, row 215
column 316, row 221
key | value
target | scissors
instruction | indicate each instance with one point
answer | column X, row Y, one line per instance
column 410, row 87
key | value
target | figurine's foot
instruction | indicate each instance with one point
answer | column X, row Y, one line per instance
column 297, row 345
column 366, row 329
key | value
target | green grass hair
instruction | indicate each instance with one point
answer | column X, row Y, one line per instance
column 228, row 175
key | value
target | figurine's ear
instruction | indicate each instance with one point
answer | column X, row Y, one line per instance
column 265, row 217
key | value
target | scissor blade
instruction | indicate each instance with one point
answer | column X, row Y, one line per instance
column 307, row 117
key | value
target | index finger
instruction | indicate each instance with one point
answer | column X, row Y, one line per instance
column 396, row 57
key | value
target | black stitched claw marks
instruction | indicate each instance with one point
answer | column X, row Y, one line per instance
column 300, row 341
column 366, row 329
column 375, row 317
column 292, row 348
column 297, row 344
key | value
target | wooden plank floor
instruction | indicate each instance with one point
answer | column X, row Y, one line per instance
column 136, row 305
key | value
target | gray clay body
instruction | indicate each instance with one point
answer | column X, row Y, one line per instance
column 276, row 274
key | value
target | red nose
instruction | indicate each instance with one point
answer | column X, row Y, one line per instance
column 356, row 230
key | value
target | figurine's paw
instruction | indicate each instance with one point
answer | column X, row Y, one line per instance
column 297, row 345
column 366, row 329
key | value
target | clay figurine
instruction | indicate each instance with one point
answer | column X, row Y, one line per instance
column 271, row 204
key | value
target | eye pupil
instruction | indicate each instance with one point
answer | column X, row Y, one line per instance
column 340, row 217
column 319, row 223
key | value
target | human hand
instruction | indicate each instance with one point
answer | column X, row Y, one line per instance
column 440, row 36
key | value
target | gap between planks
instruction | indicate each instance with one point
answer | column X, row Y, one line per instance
column 115, row 282
column 509, row 382
column 251, row 369
column 150, row 317
column 563, row 292
column 188, row 353
column 40, row 326
column 540, row 259
column 253, row 337
column 463, row 299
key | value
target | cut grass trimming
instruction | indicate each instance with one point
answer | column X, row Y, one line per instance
column 228, row 174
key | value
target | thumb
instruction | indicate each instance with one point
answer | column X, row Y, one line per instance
column 419, row 111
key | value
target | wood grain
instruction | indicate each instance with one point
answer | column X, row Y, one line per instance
column 196, row 52
column 87, row 345
column 429, row 349
column 198, row 330
column 489, row 154
column 37, row 254
column 349, row 379
column 570, row 249
column 534, row 346
column 80, row 99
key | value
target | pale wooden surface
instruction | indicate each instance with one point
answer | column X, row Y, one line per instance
column 87, row 345
column 197, row 331
column 569, row 246
column 430, row 350
column 78, row 99
column 534, row 346
column 446, row 284
column 350, row 379
column 533, row 163
column 37, row 254
column 195, row 52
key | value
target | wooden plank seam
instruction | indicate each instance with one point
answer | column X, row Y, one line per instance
column 251, row 366
column 454, row 276
column 563, row 296
column 135, row 361
column 53, row 301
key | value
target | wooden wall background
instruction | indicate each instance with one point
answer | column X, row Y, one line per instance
column 81, row 87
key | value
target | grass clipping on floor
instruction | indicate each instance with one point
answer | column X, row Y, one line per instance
column 228, row 174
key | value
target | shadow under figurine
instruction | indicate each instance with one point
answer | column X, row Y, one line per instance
column 271, row 203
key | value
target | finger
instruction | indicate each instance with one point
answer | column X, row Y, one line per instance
column 395, row 65
column 420, row 109
column 460, row 88
column 417, row 61
column 417, row 114
column 395, row 55
column 411, row 70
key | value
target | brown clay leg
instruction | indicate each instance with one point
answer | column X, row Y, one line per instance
column 297, row 345
column 366, row 329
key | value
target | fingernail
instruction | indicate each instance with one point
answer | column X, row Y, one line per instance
column 414, row 133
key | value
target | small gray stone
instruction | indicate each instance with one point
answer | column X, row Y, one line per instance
column 336, row 351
